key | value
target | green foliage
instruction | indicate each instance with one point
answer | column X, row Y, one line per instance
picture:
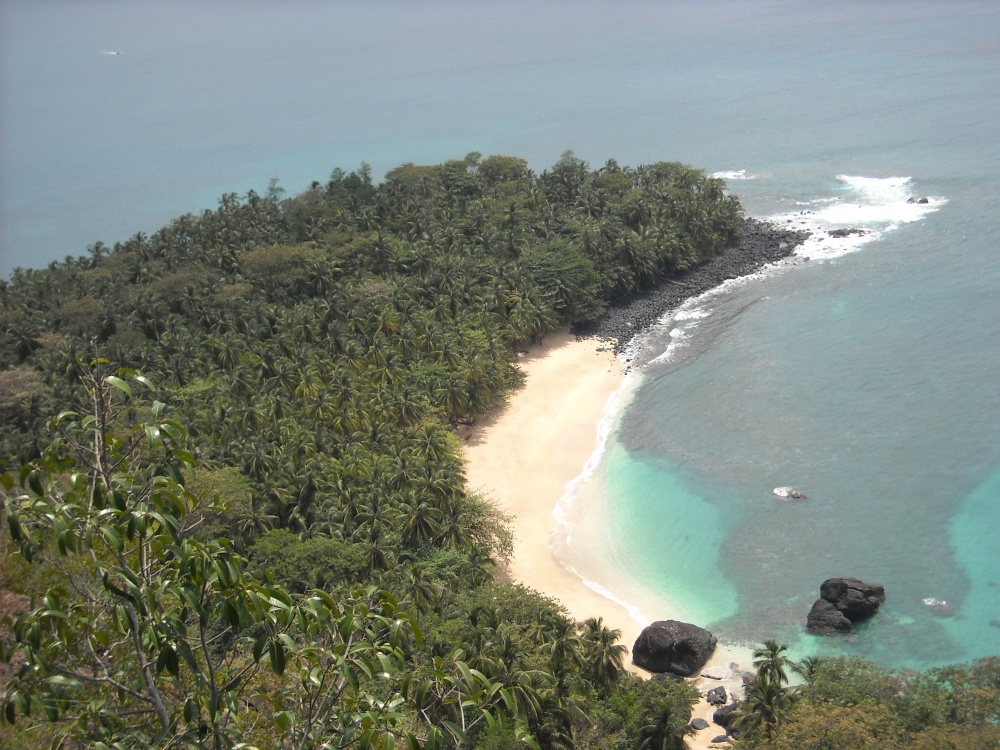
column 172, row 642
column 279, row 268
column 497, row 169
column 952, row 737
column 22, row 392
column 866, row 726
column 567, row 278
column 308, row 563
column 849, row 681
column 231, row 500
column 972, row 691
column 83, row 317
column 854, row 704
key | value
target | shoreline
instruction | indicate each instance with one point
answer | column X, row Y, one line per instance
column 524, row 456
column 529, row 456
column 762, row 244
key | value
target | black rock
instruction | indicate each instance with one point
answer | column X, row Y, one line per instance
column 717, row 696
column 720, row 738
column 857, row 600
column 824, row 618
column 923, row 200
column 700, row 724
column 667, row 677
column 724, row 716
column 842, row 602
column 672, row 646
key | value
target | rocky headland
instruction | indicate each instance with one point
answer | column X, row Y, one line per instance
column 761, row 244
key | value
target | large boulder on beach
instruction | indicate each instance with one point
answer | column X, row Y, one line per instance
column 726, row 716
column 672, row 646
column 716, row 696
column 842, row 602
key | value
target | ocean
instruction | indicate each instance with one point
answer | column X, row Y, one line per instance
column 861, row 372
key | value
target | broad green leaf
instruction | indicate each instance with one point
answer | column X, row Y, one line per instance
column 35, row 482
column 167, row 660
column 153, row 435
column 116, row 382
column 276, row 652
column 455, row 730
column 258, row 647
column 230, row 613
column 15, row 527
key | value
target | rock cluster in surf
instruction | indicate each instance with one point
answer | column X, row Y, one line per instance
column 842, row 602
column 762, row 243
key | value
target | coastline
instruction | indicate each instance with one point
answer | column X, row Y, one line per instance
column 524, row 456
column 530, row 455
column 761, row 244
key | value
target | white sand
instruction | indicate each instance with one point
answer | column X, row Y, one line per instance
column 523, row 458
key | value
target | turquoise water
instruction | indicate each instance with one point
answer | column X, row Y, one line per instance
column 865, row 376
column 866, row 380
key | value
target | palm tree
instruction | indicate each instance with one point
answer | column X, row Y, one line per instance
column 603, row 654
column 665, row 725
column 766, row 706
column 807, row 667
column 771, row 660
column 419, row 587
column 553, row 727
column 565, row 651
column 421, row 525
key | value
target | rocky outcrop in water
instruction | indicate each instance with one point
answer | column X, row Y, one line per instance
column 761, row 244
column 842, row 602
column 672, row 646
column 824, row 619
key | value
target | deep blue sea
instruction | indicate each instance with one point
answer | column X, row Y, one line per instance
column 866, row 376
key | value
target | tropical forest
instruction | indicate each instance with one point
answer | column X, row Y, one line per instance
column 235, row 513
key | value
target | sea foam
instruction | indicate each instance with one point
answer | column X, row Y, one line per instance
column 873, row 205
column 562, row 533
column 738, row 174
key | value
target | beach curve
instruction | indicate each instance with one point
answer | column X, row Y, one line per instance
column 528, row 454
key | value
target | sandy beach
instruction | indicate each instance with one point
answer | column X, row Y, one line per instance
column 524, row 456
